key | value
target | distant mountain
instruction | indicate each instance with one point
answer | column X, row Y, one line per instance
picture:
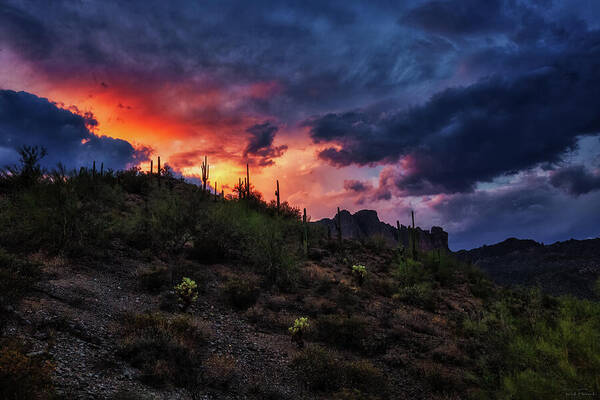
column 365, row 223
column 569, row 267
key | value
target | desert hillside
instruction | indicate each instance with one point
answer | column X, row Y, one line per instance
column 569, row 267
column 128, row 285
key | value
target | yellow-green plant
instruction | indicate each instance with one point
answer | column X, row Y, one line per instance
column 297, row 330
column 360, row 272
column 187, row 292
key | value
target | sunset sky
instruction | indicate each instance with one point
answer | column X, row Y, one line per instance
column 482, row 116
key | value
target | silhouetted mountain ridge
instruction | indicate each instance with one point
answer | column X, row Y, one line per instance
column 569, row 267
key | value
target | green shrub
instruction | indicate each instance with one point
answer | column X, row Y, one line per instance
column 385, row 287
column 166, row 350
column 300, row 325
column 187, row 292
column 420, row 294
column 219, row 370
column 298, row 329
column 165, row 221
column 364, row 376
column 376, row 243
column 154, row 279
column 346, row 332
column 323, row 370
column 532, row 346
column 269, row 245
column 16, row 277
column 359, row 272
column 241, row 293
column 23, row 376
column 61, row 213
column 319, row 368
column 408, row 271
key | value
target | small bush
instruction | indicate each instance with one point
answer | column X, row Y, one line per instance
column 241, row 293
column 218, row 370
column 187, row 292
column 347, row 299
column 420, row 294
column 359, row 272
column 533, row 346
column 364, row 376
column 16, row 277
column 319, row 368
column 323, row 370
column 377, row 242
column 385, row 287
column 166, row 350
column 408, row 271
column 23, row 377
column 154, row 279
column 298, row 329
column 346, row 332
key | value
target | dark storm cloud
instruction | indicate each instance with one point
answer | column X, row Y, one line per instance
column 472, row 134
column 357, row 186
column 324, row 55
column 576, row 180
column 25, row 32
column 458, row 17
column 529, row 208
column 260, row 144
column 26, row 119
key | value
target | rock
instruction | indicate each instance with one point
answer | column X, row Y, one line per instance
column 365, row 224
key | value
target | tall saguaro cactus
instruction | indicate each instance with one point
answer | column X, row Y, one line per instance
column 247, row 181
column 205, row 172
column 305, row 233
column 398, row 227
column 158, row 172
column 338, row 225
column 277, row 195
column 413, row 234
column 151, row 166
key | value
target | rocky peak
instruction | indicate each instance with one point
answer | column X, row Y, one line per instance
column 365, row 223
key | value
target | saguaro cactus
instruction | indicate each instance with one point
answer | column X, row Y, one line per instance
column 205, row 172
column 151, row 166
column 158, row 170
column 94, row 169
column 338, row 225
column 101, row 169
column 398, row 227
column 305, row 233
column 413, row 234
column 277, row 195
column 247, row 181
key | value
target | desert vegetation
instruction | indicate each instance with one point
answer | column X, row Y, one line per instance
column 192, row 292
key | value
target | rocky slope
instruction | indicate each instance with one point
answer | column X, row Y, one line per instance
column 366, row 224
column 569, row 267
